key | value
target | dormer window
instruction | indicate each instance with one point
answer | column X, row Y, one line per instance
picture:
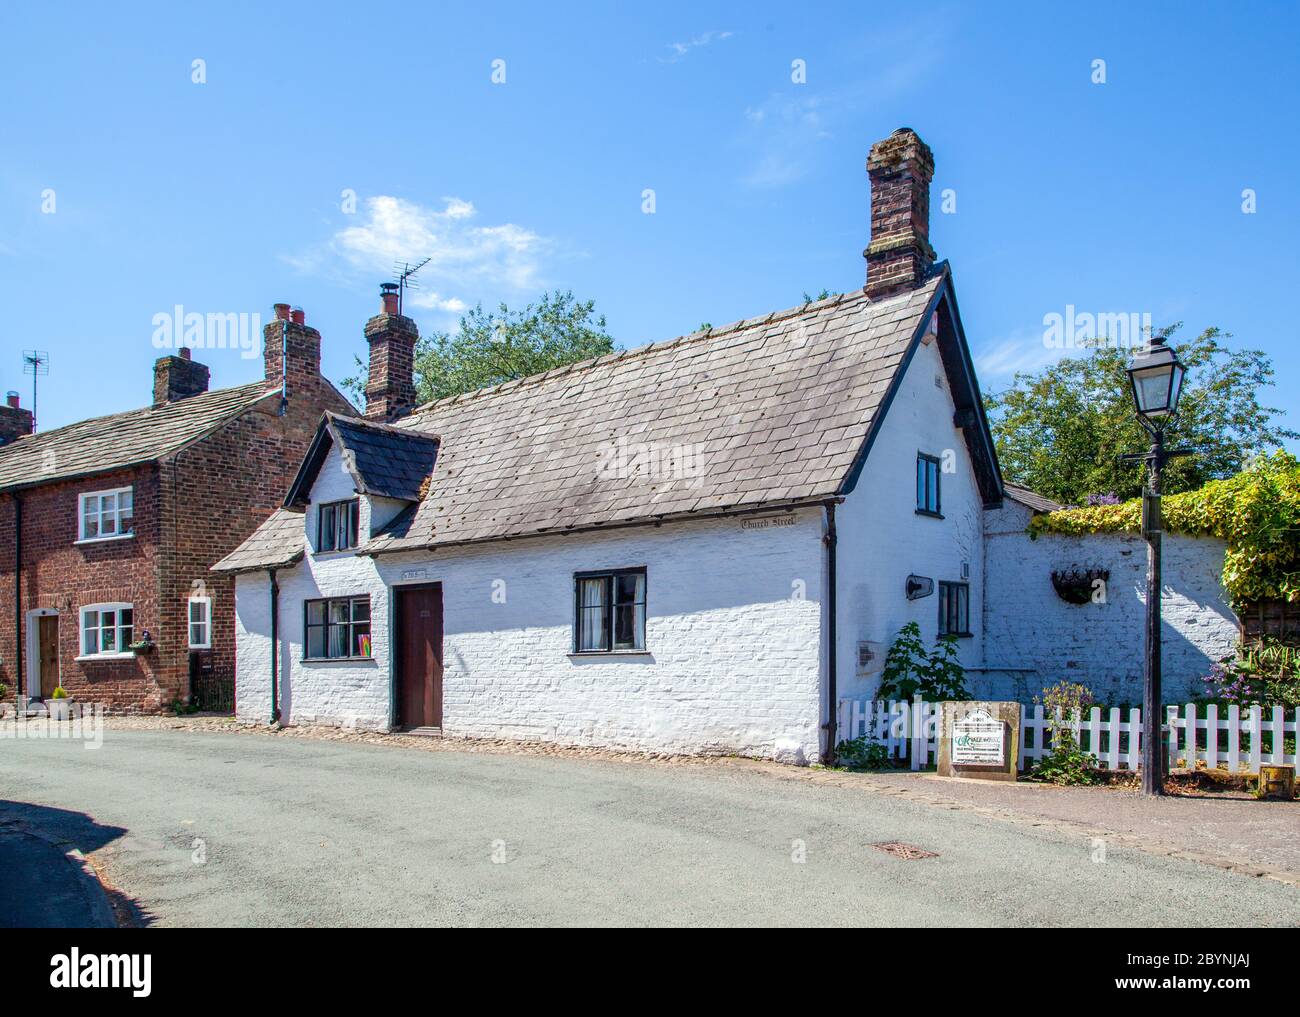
column 337, row 525
column 106, row 515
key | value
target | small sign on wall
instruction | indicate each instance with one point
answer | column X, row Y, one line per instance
column 767, row 522
column 411, row 575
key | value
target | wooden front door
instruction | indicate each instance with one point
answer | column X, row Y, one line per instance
column 47, row 649
column 419, row 656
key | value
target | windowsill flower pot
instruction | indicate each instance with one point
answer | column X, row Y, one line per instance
column 59, row 705
column 145, row 645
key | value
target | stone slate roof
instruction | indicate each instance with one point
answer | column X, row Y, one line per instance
column 387, row 461
column 280, row 541
column 765, row 413
column 1031, row 499
column 122, row 439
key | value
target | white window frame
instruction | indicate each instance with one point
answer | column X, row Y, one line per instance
column 82, row 502
column 206, row 622
column 100, row 654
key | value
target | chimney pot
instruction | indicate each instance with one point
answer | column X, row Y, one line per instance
column 12, row 399
column 184, row 353
column 388, row 298
column 282, row 312
column 298, row 316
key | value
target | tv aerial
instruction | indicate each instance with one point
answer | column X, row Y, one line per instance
column 37, row 364
column 405, row 273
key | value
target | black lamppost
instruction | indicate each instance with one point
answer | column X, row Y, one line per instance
column 1156, row 376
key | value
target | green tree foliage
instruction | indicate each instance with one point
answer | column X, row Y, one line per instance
column 489, row 348
column 1060, row 432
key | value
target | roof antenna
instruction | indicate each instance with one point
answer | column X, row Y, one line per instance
column 405, row 270
column 37, row 364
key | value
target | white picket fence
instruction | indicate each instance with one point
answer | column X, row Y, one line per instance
column 1232, row 739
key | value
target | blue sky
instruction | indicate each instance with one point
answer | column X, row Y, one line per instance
column 228, row 195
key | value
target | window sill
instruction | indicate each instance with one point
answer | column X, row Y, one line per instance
column 337, row 660
column 927, row 512
column 92, row 657
column 347, row 552
column 958, row 635
column 103, row 540
column 200, row 646
column 610, row 653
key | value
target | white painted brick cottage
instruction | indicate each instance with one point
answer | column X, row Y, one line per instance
column 696, row 546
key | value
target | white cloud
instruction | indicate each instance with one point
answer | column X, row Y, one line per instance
column 1023, row 350
column 680, row 50
column 467, row 262
column 783, row 132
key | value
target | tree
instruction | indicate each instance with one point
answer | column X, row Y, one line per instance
column 488, row 349
column 1060, row 432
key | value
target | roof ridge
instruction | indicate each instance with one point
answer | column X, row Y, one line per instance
column 149, row 409
column 812, row 307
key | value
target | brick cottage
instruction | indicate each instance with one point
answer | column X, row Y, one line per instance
column 108, row 526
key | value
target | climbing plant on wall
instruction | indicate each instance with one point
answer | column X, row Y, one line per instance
column 1257, row 512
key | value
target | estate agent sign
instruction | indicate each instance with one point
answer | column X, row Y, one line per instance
column 980, row 740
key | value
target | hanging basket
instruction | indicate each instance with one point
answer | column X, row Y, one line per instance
column 1076, row 586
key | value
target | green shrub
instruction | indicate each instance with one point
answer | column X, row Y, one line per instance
column 59, row 693
column 1067, row 763
column 910, row 671
column 863, row 753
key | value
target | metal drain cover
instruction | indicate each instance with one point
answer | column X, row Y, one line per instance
column 908, row 852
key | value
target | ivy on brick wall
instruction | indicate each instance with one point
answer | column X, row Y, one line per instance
column 1257, row 512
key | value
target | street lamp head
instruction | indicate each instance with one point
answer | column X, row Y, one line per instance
column 1156, row 376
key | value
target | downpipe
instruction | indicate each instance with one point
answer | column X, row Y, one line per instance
column 275, row 648
column 832, row 694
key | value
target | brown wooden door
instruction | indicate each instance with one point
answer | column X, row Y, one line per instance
column 419, row 656
column 47, row 642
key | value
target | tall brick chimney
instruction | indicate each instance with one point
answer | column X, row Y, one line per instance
column 390, row 384
column 288, row 333
column 15, row 422
column 900, row 255
column 178, row 377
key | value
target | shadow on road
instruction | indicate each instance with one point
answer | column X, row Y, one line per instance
column 61, row 830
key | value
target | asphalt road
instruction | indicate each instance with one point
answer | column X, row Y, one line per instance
column 227, row 829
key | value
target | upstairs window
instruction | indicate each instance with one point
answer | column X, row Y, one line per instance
column 107, row 630
column 954, row 609
column 609, row 611
column 200, row 623
column 337, row 526
column 338, row 628
column 104, row 515
column 927, row 484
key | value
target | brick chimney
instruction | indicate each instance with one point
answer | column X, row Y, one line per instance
column 15, row 422
column 900, row 255
column 390, row 384
column 178, row 377
column 289, row 333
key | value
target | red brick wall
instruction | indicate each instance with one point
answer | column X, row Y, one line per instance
column 190, row 510
column 59, row 573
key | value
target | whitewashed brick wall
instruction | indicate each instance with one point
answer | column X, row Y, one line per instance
column 882, row 539
column 1041, row 639
column 734, row 635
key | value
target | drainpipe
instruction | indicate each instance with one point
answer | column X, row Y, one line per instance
column 18, row 600
column 275, row 649
column 284, row 376
column 828, row 757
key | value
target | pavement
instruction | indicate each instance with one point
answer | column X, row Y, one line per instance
column 225, row 829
